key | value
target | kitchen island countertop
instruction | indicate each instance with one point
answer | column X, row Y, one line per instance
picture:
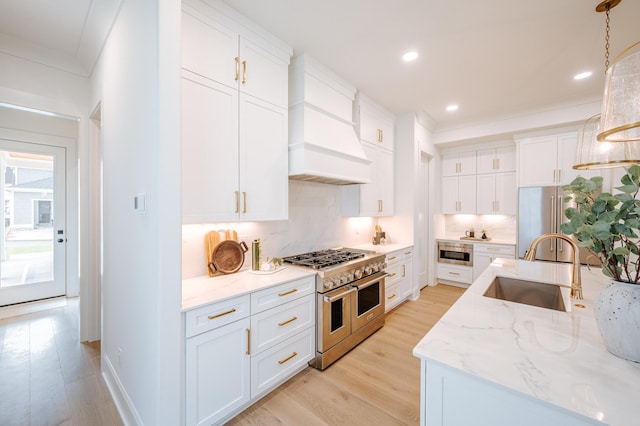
column 202, row 290
column 556, row 357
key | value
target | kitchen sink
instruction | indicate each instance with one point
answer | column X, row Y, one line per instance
column 533, row 293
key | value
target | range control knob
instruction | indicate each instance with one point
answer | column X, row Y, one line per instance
column 367, row 270
column 357, row 273
column 326, row 284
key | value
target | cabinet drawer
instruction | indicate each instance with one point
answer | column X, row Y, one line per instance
column 271, row 327
column 275, row 365
column 274, row 296
column 216, row 315
column 463, row 274
column 496, row 250
column 392, row 296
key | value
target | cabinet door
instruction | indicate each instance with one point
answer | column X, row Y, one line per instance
column 486, row 160
column 450, row 195
column 538, row 161
column 387, row 129
column 264, row 169
column 209, row 49
column 404, row 286
column 209, row 161
column 385, row 182
column 369, row 191
column 376, row 126
column 481, row 261
column 506, row 193
column 506, row 159
column 217, row 373
column 263, row 75
column 567, row 148
column 450, row 164
column 486, row 190
column 467, row 163
column 467, row 194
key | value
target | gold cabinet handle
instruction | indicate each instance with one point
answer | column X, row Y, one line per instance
column 288, row 292
column 404, row 271
column 282, row 361
column 244, row 202
column 391, row 275
column 237, row 68
column 454, row 273
column 391, row 258
column 497, row 164
column 230, row 311
column 237, row 202
column 248, row 341
column 287, row 321
column 407, row 252
column 244, row 72
column 391, row 297
column 381, row 135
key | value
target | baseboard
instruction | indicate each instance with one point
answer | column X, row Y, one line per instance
column 120, row 398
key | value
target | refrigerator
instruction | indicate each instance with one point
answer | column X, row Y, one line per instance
column 541, row 211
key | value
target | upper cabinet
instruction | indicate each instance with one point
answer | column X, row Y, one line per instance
column 234, row 122
column 494, row 160
column 376, row 128
column 459, row 163
column 548, row 160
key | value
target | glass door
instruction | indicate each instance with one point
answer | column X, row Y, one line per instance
column 33, row 242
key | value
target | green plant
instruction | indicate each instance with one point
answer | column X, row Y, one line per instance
column 607, row 224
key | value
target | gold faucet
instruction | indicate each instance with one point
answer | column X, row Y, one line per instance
column 576, row 284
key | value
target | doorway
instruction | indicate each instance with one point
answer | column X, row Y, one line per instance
column 33, row 239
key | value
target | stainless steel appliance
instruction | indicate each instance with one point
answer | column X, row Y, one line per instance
column 456, row 253
column 541, row 211
column 350, row 299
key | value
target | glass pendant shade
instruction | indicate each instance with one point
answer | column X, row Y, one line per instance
column 620, row 121
column 593, row 154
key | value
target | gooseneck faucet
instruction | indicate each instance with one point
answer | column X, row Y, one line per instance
column 576, row 280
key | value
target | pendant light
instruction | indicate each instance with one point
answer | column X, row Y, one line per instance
column 591, row 153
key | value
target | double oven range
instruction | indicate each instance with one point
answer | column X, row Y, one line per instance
column 350, row 299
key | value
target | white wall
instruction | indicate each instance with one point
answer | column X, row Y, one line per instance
column 137, row 83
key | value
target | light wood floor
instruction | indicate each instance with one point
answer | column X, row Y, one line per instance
column 377, row 383
column 47, row 377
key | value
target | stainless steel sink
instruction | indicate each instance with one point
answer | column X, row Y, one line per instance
column 532, row 293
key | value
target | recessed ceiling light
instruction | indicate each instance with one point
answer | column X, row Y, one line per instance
column 410, row 56
column 452, row 108
column 582, row 75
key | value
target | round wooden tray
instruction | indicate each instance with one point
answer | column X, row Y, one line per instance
column 228, row 256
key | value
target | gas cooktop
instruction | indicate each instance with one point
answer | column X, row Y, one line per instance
column 325, row 258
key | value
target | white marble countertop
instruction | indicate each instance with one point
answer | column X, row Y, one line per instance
column 457, row 238
column 200, row 291
column 557, row 357
column 384, row 248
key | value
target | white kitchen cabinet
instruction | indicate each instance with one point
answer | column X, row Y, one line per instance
column 450, row 397
column 399, row 278
column 484, row 254
column 459, row 194
column 234, row 125
column 459, row 163
column 496, row 193
column 376, row 124
column 240, row 348
column 493, row 160
column 217, row 381
column 548, row 160
column 455, row 273
column 376, row 198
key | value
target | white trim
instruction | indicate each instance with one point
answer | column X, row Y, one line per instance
column 123, row 403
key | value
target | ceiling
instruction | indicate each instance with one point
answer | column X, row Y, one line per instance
column 494, row 58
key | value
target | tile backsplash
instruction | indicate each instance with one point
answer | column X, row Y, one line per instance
column 315, row 222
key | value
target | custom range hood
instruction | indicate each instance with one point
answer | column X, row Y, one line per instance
column 323, row 145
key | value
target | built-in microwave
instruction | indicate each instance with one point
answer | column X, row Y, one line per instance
column 456, row 253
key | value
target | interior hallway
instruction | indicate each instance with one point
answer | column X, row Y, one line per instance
column 47, row 377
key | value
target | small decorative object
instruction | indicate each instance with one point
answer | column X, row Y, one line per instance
column 609, row 225
column 255, row 255
column 470, row 233
column 484, row 234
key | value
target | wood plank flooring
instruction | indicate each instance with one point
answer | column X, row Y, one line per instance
column 377, row 383
column 47, row 377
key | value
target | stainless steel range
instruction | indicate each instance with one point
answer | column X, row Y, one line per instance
column 350, row 299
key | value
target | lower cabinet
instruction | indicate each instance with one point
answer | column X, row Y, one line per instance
column 239, row 349
column 398, row 281
column 455, row 273
column 484, row 254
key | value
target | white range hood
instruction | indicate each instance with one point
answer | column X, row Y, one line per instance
column 323, row 145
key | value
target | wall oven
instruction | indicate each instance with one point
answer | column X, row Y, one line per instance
column 455, row 253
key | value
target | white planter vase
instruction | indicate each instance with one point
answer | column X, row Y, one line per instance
column 617, row 312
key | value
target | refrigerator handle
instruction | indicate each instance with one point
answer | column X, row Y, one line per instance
column 553, row 222
column 559, row 220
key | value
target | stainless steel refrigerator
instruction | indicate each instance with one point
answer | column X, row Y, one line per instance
column 541, row 211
